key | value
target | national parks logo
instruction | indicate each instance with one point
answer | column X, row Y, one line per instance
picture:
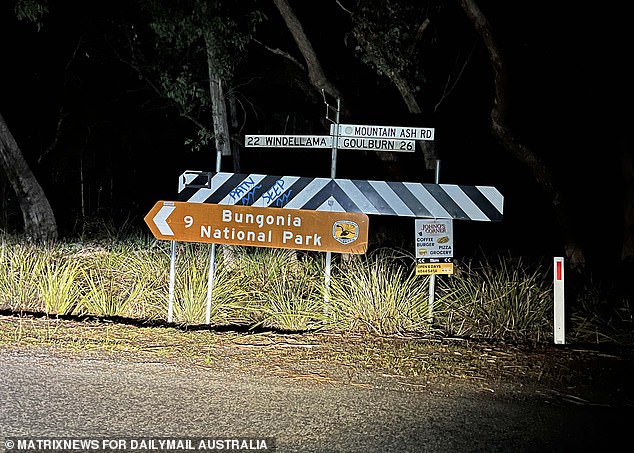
column 345, row 231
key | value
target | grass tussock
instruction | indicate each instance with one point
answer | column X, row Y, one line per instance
column 378, row 294
column 505, row 298
column 500, row 298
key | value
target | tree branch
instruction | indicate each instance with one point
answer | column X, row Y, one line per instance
column 282, row 54
column 419, row 36
column 344, row 8
column 449, row 89
column 316, row 74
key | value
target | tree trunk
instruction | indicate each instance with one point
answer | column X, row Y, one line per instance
column 39, row 221
column 501, row 131
column 316, row 74
column 219, row 114
column 236, row 146
column 221, row 124
column 218, row 104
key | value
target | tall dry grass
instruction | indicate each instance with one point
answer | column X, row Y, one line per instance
column 500, row 298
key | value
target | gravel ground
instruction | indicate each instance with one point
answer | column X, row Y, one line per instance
column 311, row 392
column 578, row 373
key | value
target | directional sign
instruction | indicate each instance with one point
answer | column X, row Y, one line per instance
column 411, row 199
column 259, row 227
column 385, row 132
column 288, row 141
column 376, row 144
column 326, row 141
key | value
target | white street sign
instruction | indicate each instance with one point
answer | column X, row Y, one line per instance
column 377, row 144
column 325, row 141
column 288, row 141
column 386, row 132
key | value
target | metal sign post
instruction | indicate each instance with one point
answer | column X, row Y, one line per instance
column 212, row 259
column 212, row 262
column 170, row 303
column 333, row 175
column 432, row 278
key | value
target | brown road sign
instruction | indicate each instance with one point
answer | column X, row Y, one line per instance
column 323, row 231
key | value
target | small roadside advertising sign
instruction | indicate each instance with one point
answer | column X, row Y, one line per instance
column 434, row 268
column 434, row 246
column 322, row 231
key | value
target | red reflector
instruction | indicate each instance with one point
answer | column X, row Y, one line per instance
column 559, row 270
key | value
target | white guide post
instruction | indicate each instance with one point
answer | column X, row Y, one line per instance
column 559, row 305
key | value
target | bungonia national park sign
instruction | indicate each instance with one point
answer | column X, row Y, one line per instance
column 323, row 231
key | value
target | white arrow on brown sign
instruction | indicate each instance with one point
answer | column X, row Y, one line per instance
column 321, row 231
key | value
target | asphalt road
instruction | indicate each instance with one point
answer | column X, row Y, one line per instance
column 45, row 395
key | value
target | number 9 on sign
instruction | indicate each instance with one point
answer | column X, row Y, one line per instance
column 189, row 221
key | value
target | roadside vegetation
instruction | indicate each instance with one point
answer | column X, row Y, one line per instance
column 499, row 299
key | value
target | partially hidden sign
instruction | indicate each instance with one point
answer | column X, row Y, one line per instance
column 323, row 231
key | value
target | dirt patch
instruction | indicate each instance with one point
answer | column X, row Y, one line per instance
column 580, row 374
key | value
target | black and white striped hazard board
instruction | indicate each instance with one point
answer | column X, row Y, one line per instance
column 437, row 201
